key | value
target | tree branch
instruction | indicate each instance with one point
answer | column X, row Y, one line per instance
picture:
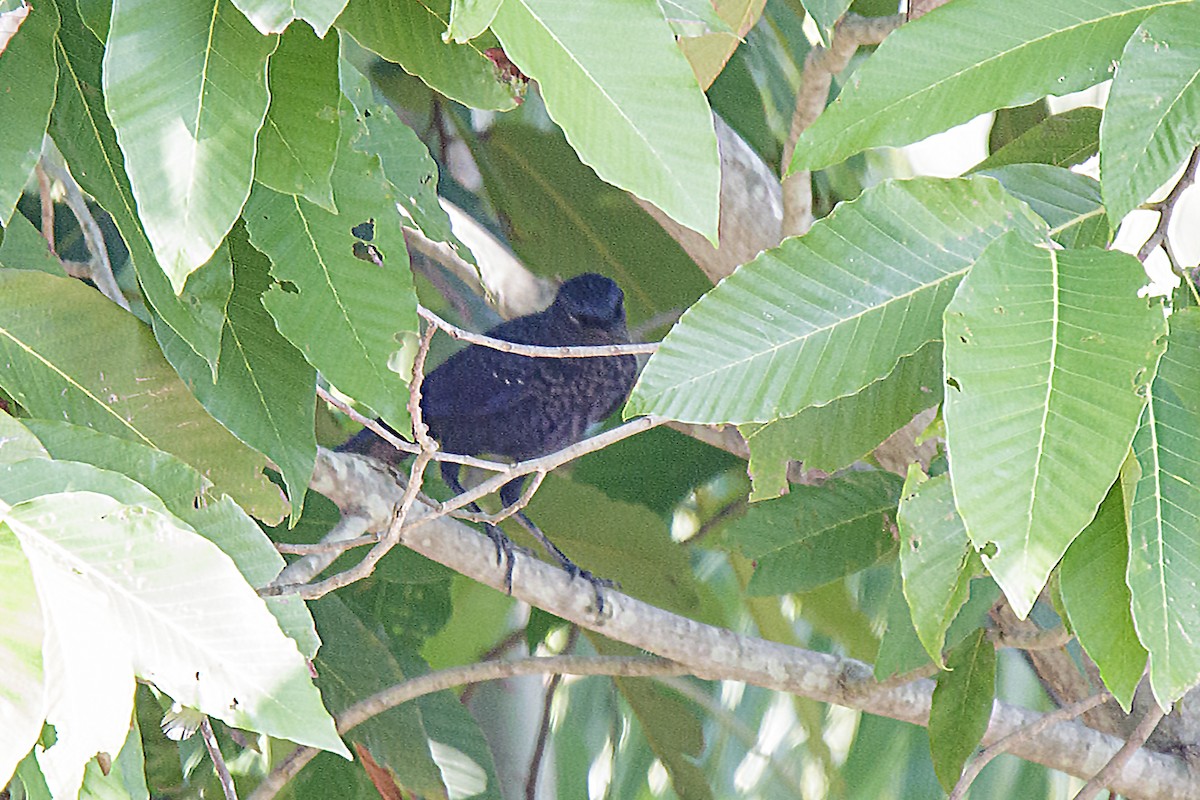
column 360, row 712
column 717, row 653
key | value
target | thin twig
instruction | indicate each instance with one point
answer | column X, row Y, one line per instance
column 214, row 752
column 537, row 351
column 1166, row 208
column 539, row 747
column 47, row 201
column 1138, row 738
column 415, row 477
column 1023, row 734
column 400, row 444
column 544, row 463
column 326, row 547
column 623, row 666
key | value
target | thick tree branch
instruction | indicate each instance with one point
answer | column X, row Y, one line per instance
column 717, row 653
column 822, row 63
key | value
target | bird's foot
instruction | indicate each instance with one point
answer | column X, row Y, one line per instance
column 506, row 553
column 598, row 584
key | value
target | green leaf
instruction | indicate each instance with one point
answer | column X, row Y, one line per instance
column 936, row 558
column 23, row 247
column 265, row 392
column 272, row 16
column 409, row 33
column 693, row 17
column 616, row 540
column 17, row 442
column 1097, row 599
column 613, row 78
column 299, row 137
column 407, row 165
column 835, row 435
column 1069, row 202
column 1165, row 519
column 470, row 18
column 1152, row 117
column 962, row 706
column 186, row 88
column 965, row 59
column 124, row 778
column 816, row 534
column 83, row 133
column 115, row 380
column 23, row 701
column 353, row 320
column 27, row 79
column 825, row 314
column 559, row 213
column 123, row 569
column 189, row 496
column 354, row 665
column 1048, row 354
column 1062, row 140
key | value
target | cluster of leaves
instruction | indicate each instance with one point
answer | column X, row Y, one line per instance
column 259, row 189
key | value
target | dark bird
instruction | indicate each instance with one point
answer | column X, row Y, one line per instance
column 484, row 401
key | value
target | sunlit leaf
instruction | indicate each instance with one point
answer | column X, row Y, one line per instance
column 1165, row 517
column 186, row 88
column 272, row 16
column 614, row 80
column 1152, row 118
column 828, row 313
column 964, row 59
column 1048, row 354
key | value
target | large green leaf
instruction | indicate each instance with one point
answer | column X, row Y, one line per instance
column 961, row 706
column 559, row 213
column 1068, row 201
column 160, row 598
column 190, row 497
column 265, row 391
column 964, row 59
column 1166, row 516
column 1062, row 140
column 112, row 376
column 1152, row 118
column 816, row 534
column 83, row 133
column 272, row 16
column 1048, row 354
column 186, row 88
column 837, row 434
column 708, row 39
column 354, row 320
column 937, row 561
column 24, row 247
column 299, row 138
column 23, row 700
column 615, row 81
column 28, row 75
column 355, row 665
column 1097, row 600
column 409, row 33
column 825, row 314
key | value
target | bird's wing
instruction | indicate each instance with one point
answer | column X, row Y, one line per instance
column 477, row 382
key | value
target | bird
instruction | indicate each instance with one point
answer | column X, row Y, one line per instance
column 482, row 401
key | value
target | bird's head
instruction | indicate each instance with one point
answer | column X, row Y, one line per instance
column 591, row 301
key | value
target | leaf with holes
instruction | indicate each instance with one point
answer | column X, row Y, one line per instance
column 1048, row 357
